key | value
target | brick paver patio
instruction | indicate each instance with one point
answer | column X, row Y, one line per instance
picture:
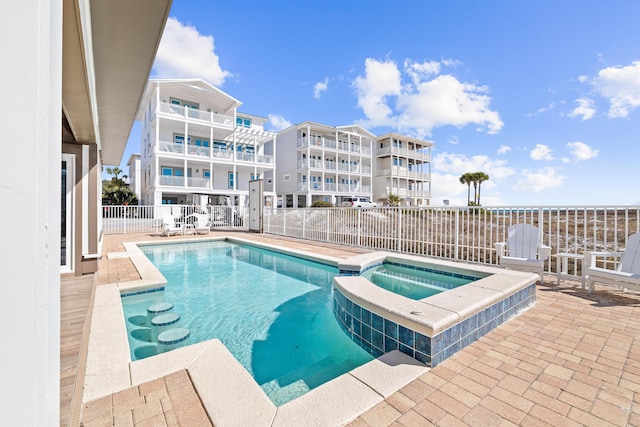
column 571, row 360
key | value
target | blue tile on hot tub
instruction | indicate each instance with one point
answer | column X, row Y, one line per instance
column 377, row 322
column 391, row 329
column 390, row 344
column 377, row 339
column 409, row 351
column 356, row 312
column 406, row 336
column 422, row 358
column 366, row 317
column 366, row 332
column 423, row 343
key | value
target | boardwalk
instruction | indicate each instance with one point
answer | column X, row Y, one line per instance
column 572, row 359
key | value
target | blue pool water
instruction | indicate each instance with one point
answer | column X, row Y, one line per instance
column 272, row 311
column 412, row 282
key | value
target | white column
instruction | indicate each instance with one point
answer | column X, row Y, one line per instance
column 30, row 253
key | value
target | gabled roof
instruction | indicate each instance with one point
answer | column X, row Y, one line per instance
column 192, row 89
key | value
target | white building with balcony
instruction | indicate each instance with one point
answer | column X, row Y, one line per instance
column 402, row 167
column 134, row 174
column 197, row 147
column 318, row 162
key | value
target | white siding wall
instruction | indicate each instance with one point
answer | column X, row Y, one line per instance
column 30, row 252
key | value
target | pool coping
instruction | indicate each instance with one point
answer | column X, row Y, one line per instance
column 225, row 388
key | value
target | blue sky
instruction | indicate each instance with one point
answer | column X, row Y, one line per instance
column 543, row 96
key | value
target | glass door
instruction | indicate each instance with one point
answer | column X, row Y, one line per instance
column 66, row 213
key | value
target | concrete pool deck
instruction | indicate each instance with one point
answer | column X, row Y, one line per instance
column 572, row 359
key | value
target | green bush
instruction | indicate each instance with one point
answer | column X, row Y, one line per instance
column 321, row 204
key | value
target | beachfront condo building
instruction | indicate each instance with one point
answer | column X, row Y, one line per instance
column 197, row 148
column 402, row 167
column 318, row 162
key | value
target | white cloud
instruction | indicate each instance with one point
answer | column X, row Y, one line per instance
column 276, row 123
column 320, row 87
column 621, row 87
column 424, row 102
column 541, row 152
column 538, row 180
column 185, row 53
column 457, row 164
column 585, row 109
column 504, row 149
column 581, row 151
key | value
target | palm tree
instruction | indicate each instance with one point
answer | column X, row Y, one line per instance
column 465, row 178
column 481, row 177
column 393, row 200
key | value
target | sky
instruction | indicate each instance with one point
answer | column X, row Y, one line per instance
column 543, row 96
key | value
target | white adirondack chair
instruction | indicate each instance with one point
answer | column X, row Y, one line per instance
column 203, row 224
column 625, row 276
column 522, row 251
column 169, row 225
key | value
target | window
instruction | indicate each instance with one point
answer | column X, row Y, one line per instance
column 206, row 174
column 167, row 171
column 231, row 180
column 176, row 101
column 243, row 122
column 255, row 176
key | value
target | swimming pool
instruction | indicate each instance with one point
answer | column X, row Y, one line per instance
column 272, row 311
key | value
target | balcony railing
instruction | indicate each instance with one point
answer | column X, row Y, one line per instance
column 332, row 145
column 196, row 150
column 404, row 152
column 172, row 181
column 194, row 114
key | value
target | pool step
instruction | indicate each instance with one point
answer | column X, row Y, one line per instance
column 407, row 281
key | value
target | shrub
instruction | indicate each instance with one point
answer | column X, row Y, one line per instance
column 321, row 204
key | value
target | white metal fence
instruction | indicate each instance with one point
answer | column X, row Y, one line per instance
column 461, row 234
column 148, row 219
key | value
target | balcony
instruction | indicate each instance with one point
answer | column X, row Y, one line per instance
column 404, row 173
column 179, row 181
column 191, row 114
column 332, row 145
column 317, row 186
column 404, row 152
column 172, row 181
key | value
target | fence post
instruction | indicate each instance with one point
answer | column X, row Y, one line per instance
column 456, row 241
column 284, row 222
column 304, row 222
column 359, row 228
column 398, row 240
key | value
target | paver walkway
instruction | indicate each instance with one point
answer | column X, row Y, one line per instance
column 573, row 359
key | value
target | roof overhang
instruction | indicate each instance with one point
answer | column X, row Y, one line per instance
column 108, row 52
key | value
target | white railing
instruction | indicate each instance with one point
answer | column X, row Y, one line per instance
column 197, row 150
column 459, row 234
column 173, row 181
column 171, row 147
column 192, row 113
column 148, row 219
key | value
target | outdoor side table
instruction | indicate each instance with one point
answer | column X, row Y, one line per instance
column 569, row 270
